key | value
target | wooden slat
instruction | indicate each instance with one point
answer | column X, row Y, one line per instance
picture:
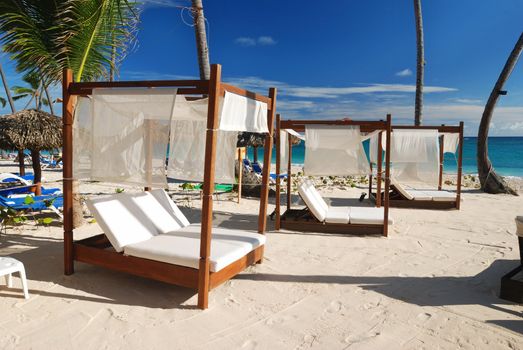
column 460, row 166
column 365, row 125
column 379, row 170
column 267, row 156
column 188, row 87
column 67, row 132
column 208, row 186
column 236, row 267
column 289, row 171
column 387, row 177
column 160, row 271
column 246, row 93
column 278, row 180
column 440, row 128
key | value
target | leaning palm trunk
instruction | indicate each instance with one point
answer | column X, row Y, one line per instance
column 201, row 40
column 21, row 155
column 490, row 181
column 420, row 63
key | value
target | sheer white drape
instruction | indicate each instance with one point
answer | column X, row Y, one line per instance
column 122, row 135
column 334, row 150
column 450, row 142
column 284, row 151
column 129, row 133
column 187, row 144
column 415, row 156
column 234, row 106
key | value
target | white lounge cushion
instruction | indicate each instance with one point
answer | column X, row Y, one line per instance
column 182, row 247
column 367, row 215
column 338, row 215
column 121, row 219
column 163, row 220
column 419, row 195
column 313, row 200
column 163, row 198
column 441, row 196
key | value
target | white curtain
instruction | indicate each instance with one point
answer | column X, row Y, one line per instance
column 82, row 140
column 187, row 144
column 122, row 135
column 415, row 156
column 239, row 113
column 129, row 133
column 334, row 150
column 284, row 151
column 450, row 142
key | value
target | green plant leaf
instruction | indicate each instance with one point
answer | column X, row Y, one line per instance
column 29, row 200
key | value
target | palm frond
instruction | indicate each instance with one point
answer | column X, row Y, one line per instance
column 3, row 102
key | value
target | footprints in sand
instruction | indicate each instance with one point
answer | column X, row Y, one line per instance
column 335, row 306
column 424, row 316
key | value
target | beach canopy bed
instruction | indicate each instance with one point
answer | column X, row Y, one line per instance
column 125, row 132
column 417, row 154
column 332, row 148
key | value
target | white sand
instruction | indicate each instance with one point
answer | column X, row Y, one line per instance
column 432, row 284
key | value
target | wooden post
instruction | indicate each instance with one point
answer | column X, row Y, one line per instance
column 148, row 154
column 460, row 166
column 379, row 170
column 387, row 177
column 289, row 171
column 278, row 159
column 370, row 179
column 240, row 174
column 208, row 186
column 441, row 158
column 67, row 120
column 264, row 194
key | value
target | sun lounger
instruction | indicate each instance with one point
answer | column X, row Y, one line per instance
column 338, row 215
column 26, row 188
column 37, row 203
column 149, row 225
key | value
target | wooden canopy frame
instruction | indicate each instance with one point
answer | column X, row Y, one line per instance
column 92, row 250
column 399, row 201
column 289, row 219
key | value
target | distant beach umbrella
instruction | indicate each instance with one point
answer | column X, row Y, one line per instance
column 33, row 130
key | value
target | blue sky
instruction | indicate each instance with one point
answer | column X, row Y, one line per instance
column 350, row 59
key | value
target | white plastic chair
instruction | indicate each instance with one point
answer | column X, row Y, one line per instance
column 9, row 266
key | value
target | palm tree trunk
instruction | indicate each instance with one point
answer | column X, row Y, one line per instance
column 7, row 91
column 490, row 181
column 420, row 63
column 48, row 96
column 37, row 168
column 21, row 155
column 201, row 40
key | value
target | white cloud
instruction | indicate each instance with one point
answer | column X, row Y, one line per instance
column 331, row 92
column 467, row 100
column 164, row 3
column 266, row 40
column 404, row 73
column 250, row 41
column 245, row 41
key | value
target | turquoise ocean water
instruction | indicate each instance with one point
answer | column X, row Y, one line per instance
column 506, row 154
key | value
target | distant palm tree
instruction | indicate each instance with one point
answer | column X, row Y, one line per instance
column 44, row 37
column 490, row 181
column 201, row 40
column 3, row 101
column 420, row 63
column 34, row 91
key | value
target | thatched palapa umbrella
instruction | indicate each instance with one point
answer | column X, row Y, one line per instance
column 33, row 130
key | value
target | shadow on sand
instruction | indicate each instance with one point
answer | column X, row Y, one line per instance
column 43, row 262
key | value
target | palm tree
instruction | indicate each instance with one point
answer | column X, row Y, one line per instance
column 420, row 63
column 34, row 92
column 490, row 181
column 201, row 40
column 46, row 36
